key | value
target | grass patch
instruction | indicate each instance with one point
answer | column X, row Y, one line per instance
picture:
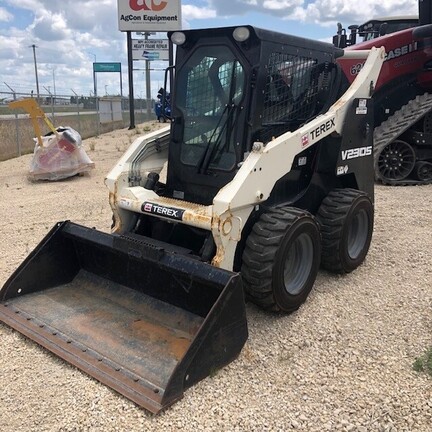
column 424, row 362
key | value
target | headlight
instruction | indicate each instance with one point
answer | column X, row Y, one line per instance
column 178, row 38
column 240, row 34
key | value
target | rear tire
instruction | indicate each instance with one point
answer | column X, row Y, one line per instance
column 423, row 171
column 346, row 220
column 394, row 162
column 281, row 259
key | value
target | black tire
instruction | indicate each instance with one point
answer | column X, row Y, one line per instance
column 394, row 161
column 281, row 259
column 423, row 171
column 346, row 218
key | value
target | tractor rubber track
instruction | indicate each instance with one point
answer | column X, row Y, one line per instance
column 395, row 126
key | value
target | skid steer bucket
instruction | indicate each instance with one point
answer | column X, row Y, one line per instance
column 146, row 321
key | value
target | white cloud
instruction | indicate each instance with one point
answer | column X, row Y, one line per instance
column 281, row 5
column 67, row 35
column 320, row 11
column 69, row 32
column 5, row 15
column 323, row 11
column 193, row 12
column 51, row 27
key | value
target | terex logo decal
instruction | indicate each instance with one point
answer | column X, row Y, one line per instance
column 153, row 5
column 169, row 212
column 330, row 124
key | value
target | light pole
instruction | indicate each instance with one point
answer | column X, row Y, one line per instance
column 147, row 72
column 36, row 72
column 54, row 84
column 55, row 93
column 77, row 103
column 94, row 78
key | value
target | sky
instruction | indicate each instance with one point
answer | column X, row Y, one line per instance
column 69, row 35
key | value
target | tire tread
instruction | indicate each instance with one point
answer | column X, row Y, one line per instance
column 260, row 252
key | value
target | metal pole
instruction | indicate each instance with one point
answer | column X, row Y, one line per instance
column 171, row 63
column 79, row 118
column 52, row 106
column 121, row 94
column 16, row 122
column 148, row 90
column 55, row 93
column 94, row 82
column 95, row 92
column 130, row 76
column 121, row 83
column 36, row 72
column 96, row 99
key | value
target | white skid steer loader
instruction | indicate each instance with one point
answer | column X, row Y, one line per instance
column 264, row 173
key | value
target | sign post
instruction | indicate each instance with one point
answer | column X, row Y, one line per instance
column 144, row 16
column 105, row 67
column 130, row 77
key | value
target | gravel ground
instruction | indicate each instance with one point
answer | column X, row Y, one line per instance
column 343, row 362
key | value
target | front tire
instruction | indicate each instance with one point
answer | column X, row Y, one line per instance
column 346, row 217
column 281, row 259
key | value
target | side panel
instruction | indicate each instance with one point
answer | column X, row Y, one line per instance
column 356, row 154
column 345, row 161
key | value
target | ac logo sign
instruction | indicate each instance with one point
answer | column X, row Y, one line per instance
column 149, row 5
column 149, row 15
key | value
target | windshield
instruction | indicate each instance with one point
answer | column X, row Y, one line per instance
column 371, row 31
column 211, row 88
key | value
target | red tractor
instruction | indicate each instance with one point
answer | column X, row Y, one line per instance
column 402, row 99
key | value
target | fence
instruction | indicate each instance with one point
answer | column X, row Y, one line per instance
column 85, row 114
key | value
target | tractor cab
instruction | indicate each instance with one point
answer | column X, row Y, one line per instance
column 373, row 29
column 235, row 87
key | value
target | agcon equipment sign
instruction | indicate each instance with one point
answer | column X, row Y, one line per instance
column 149, row 15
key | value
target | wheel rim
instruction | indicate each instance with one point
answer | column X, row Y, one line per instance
column 396, row 160
column 298, row 264
column 357, row 234
column 424, row 171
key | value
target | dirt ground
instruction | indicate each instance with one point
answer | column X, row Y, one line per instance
column 342, row 362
